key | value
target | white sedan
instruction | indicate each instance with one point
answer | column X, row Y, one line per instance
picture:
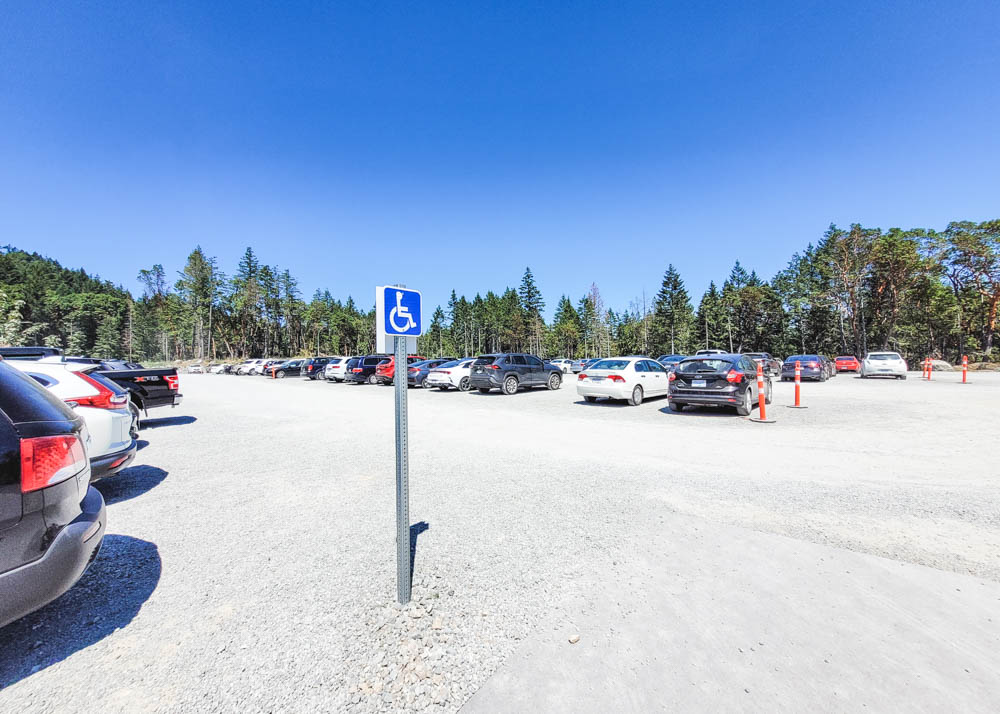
column 631, row 378
column 566, row 365
column 883, row 364
column 451, row 375
column 111, row 445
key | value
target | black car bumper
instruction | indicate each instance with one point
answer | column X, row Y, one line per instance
column 485, row 381
column 701, row 398
column 355, row 378
column 31, row 586
column 816, row 374
column 110, row 464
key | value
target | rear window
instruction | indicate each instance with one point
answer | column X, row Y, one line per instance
column 703, row 365
column 884, row 356
column 453, row 363
column 610, row 364
column 23, row 400
column 335, row 361
column 486, row 359
column 801, row 358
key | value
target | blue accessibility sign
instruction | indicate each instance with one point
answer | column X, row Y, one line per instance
column 401, row 310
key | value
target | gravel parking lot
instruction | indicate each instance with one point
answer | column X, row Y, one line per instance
column 250, row 557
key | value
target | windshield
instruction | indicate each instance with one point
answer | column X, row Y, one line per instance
column 486, row 359
column 695, row 366
column 801, row 358
column 453, row 363
column 610, row 364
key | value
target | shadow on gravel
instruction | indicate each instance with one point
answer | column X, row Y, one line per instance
column 716, row 412
column 168, row 421
column 108, row 597
column 415, row 530
column 617, row 403
column 141, row 444
column 129, row 483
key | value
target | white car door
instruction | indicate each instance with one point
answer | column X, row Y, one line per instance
column 657, row 378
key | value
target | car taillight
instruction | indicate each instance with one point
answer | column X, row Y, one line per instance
column 444, row 371
column 616, row 378
column 47, row 460
column 672, row 376
column 356, row 370
column 734, row 377
column 812, row 365
column 173, row 381
column 104, row 399
column 494, row 366
column 583, row 375
column 309, row 368
column 414, row 369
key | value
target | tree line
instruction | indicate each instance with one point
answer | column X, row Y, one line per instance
column 920, row 292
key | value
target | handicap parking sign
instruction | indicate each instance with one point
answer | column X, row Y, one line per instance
column 401, row 311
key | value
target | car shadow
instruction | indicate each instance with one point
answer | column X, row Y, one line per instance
column 129, row 483
column 617, row 403
column 415, row 530
column 141, row 444
column 168, row 421
column 710, row 412
column 107, row 598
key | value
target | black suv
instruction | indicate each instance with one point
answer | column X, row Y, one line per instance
column 509, row 372
column 362, row 369
column 289, row 368
column 314, row 366
column 721, row 380
column 51, row 519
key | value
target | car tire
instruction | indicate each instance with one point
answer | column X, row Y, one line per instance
column 280, row 374
column 372, row 379
column 555, row 381
column 636, row 398
column 767, row 394
column 424, row 385
column 484, row 390
column 510, row 385
column 464, row 384
column 676, row 407
column 902, row 376
column 591, row 399
column 746, row 407
column 252, row 372
column 136, row 420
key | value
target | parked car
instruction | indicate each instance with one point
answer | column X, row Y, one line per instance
column 314, row 366
column 195, row 369
column 51, row 518
column 631, row 378
column 416, row 373
column 564, row 365
column 831, row 368
column 670, row 361
column 451, row 375
column 334, row 370
column 147, row 388
column 362, row 369
column 264, row 368
column 728, row 380
column 386, row 371
column 710, row 352
column 288, row 368
column 250, row 366
column 847, row 363
column 509, row 372
column 104, row 406
column 883, row 364
column 812, row 368
column 771, row 365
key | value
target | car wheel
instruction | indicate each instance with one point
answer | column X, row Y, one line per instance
column 591, row 399
column 676, row 407
column 424, row 385
column 136, row 420
column 463, row 384
column 510, row 385
column 747, row 406
column 767, row 394
column 636, row 398
column 484, row 390
column 555, row 381
column 280, row 374
column 252, row 372
column 372, row 379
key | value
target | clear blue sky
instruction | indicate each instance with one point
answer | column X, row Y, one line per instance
column 448, row 145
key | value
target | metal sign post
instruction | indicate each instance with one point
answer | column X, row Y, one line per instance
column 402, row 476
column 398, row 316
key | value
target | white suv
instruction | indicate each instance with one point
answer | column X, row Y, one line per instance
column 883, row 364
column 103, row 405
column 334, row 370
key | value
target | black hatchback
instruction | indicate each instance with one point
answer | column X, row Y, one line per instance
column 52, row 520
column 314, row 366
column 726, row 380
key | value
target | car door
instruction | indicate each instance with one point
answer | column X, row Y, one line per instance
column 517, row 365
column 657, row 377
column 536, row 369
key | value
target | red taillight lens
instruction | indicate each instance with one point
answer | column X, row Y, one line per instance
column 616, row 378
column 444, row 371
column 583, row 375
column 104, row 399
column 734, row 377
column 671, row 377
column 812, row 365
column 356, row 370
column 309, row 369
column 494, row 366
column 173, row 381
column 47, row 460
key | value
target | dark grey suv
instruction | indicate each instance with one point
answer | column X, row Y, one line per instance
column 511, row 371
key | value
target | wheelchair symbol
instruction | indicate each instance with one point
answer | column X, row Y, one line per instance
column 403, row 313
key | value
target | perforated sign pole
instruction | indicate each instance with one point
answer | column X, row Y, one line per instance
column 402, row 476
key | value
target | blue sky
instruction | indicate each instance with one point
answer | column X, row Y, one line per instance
column 448, row 145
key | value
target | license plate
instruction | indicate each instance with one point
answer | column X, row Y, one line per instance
column 597, row 379
column 697, row 383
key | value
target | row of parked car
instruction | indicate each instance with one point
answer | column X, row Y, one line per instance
column 65, row 422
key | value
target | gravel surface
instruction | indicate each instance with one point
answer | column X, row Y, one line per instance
column 249, row 561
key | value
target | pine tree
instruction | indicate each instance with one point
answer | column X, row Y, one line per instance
column 710, row 329
column 673, row 316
